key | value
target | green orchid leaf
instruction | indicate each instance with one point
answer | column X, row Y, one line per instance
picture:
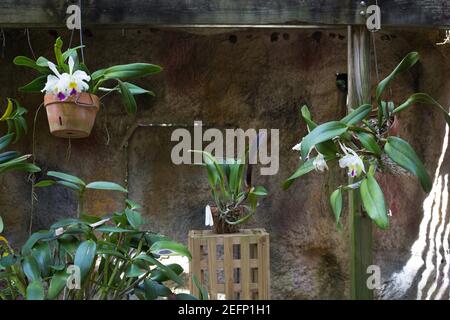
column 35, row 291
column 408, row 61
column 134, row 218
column 70, row 185
column 31, row 268
column 169, row 248
column 30, row 63
column 336, row 205
column 303, row 169
column 168, row 271
column 259, row 191
column 322, row 133
column 85, row 257
column 58, row 55
column 130, row 71
column 357, row 115
column 423, row 98
column 5, row 140
column 404, row 155
column 203, row 292
column 161, row 276
column 44, row 183
column 128, row 99
column 185, row 296
column 8, row 155
column 373, row 201
column 134, row 271
column 42, row 62
column 36, row 237
column 43, row 256
column 66, row 177
column 105, row 185
column 109, row 229
column 327, row 148
column 369, row 142
column 35, row 86
column 154, row 290
column 57, row 284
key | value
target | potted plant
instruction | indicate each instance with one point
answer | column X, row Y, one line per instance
column 12, row 160
column 109, row 257
column 364, row 144
column 71, row 90
column 235, row 199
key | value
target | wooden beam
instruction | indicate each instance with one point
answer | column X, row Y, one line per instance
column 360, row 225
column 133, row 13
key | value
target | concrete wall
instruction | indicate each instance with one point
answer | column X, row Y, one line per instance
column 245, row 79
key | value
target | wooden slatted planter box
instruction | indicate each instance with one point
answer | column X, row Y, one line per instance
column 233, row 266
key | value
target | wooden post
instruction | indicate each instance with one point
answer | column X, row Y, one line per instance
column 360, row 224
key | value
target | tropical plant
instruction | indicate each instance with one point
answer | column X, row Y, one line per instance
column 69, row 76
column 12, row 160
column 234, row 196
column 107, row 257
column 362, row 145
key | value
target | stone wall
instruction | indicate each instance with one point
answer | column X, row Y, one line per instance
column 239, row 79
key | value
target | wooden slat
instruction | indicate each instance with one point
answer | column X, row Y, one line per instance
column 228, row 267
column 132, row 13
column 245, row 268
column 253, row 263
column 212, row 268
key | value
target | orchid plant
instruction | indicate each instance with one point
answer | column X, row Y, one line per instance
column 69, row 77
column 362, row 145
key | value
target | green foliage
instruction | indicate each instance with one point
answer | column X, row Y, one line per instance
column 359, row 141
column 115, row 256
column 113, row 76
column 229, row 188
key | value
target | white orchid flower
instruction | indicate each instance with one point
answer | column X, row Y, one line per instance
column 66, row 84
column 209, row 222
column 319, row 163
column 352, row 162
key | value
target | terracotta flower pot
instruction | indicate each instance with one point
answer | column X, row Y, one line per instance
column 74, row 117
column 220, row 226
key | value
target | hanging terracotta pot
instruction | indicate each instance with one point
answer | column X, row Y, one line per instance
column 73, row 117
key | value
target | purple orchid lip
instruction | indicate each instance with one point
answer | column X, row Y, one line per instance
column 61, row 96
column 73, row 92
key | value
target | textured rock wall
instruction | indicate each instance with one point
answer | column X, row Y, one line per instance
column 231, row 79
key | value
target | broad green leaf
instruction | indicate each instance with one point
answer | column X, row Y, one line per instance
column 8, row 155
column 34, row 238
column 259, row 191
column 133, row 205
column 45, row 183
column 70, row 185
column 58, row 54
column 128, row 99
column 373, row 201
column 185, row 296
column 67, row 222
column 357, row 115
column 42, row 62
column 71, row 51
column 35, row 291
column 42, row 255
column 85, row 256
column 31, row 268
column 154, row 290
column 134, row 218
column 130, row 71
column 321, row 133
column 108, row 229
column 134, row 271
column 423, row 98
column 169, row 248
column 98, row 74
column 303, row 169
column 35, row 86
column 327, row 148
column 5, row 140
column 66, row 177
column 169, row 272
column 404, row 155
column 369, row 142
column 105, row 185
column 57, row 284
column 134, row 89
column 9, row 109
column 408, row 61
column 336, row 204
column 160, row 275
column 30, row 63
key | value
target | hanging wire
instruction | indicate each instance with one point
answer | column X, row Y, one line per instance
column 81, row 33
column 27, row 32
